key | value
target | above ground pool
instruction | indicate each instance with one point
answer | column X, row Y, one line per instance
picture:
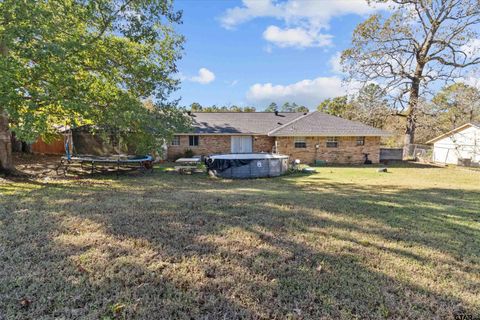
column 247, row 165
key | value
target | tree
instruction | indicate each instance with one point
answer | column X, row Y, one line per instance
column 456, row 105
column 293, row 107
column 370, row 106
column 196, row 107
column 88, row 62
column 338, row 106
column 420, row 43
column 272, row 107
column 451, row 107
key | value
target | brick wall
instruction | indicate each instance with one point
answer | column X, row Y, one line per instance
column 263, row 144
column 212, row 144
column 347, row 151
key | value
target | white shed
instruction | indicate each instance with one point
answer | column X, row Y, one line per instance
column 459, row 146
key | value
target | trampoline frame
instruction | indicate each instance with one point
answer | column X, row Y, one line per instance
column 142, row 163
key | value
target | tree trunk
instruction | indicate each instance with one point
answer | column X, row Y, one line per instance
column 409, row 138
column 6, row 161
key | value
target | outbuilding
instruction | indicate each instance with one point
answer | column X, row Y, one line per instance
column 460, row 146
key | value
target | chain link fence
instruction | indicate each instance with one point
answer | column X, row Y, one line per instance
column 419, row 152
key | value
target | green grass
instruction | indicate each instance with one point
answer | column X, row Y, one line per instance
column 347, row 242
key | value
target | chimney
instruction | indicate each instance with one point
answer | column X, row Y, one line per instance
column 276, row 112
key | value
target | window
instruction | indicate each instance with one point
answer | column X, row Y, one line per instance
column 332, row 142
column 176, row 141
column 193, row 141
column 360, row 141
column 300, row 142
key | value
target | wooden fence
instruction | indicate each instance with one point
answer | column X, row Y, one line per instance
column 55, row 147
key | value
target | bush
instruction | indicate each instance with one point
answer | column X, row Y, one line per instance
column 188, row 153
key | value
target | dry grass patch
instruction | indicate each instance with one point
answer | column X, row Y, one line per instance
column 342, row 243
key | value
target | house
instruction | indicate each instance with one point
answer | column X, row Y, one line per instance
column 304, row 136
column 459, row 146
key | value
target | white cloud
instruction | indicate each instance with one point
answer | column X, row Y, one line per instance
column 471, row 80
column 303, row 19
column 315, row 13
column 306, row 92
column 296, row 37
column 231, row 83
column 472, row 48
column 335, row 63
column 204, row 76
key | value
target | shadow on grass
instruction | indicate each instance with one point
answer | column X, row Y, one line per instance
column 180, row 247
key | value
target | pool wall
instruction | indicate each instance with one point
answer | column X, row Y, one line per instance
column 247, row 166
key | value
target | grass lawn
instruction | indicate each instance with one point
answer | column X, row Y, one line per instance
column 342, row 243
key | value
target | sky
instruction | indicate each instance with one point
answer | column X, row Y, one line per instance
column 254, row 52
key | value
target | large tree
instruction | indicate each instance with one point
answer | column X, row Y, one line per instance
column 456, row 105
column 338, row 106
column 87, row 62
column 451, row 107
column 371, row 106
column 411, row 47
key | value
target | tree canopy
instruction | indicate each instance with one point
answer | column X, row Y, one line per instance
column 338, row 106
column 286, row 107
column 413, row 48
column 90, row 62
column 197, row 107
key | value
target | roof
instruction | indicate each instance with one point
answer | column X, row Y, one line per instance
column 240, row 122
column 280, row 124
column 462, row 127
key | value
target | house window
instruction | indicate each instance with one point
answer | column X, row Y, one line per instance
column 360, row 141
column 176, row 141
column 332, row 142
column 300, row 142
column 193, row 141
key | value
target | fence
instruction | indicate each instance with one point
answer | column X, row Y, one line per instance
column 391, row 154
column 419, row 152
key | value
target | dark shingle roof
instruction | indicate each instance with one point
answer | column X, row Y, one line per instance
column 241, row 122
column 283, row 124
column 321, row 124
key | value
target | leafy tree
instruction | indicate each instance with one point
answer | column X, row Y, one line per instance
column 272, row 107
column 293, row 107
column 338, row 106
column 286, row 107
column 196, row 107
column 456, row 105
column 371, row 106
column 451, row 107
column 88, row 62
column 417, row 45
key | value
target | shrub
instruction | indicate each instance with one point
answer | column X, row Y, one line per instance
column 188, row 153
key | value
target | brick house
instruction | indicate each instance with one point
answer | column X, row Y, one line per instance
column 305, row 136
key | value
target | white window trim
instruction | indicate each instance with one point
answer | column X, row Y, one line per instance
column 175, row 138
column 332, row 140
column 299, row 140
column 360, row 139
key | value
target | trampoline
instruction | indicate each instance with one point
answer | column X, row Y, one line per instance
column 92, row 162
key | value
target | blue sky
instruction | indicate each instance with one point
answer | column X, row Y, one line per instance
column 253, row 52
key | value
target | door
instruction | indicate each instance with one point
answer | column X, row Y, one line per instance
column 242, row 144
